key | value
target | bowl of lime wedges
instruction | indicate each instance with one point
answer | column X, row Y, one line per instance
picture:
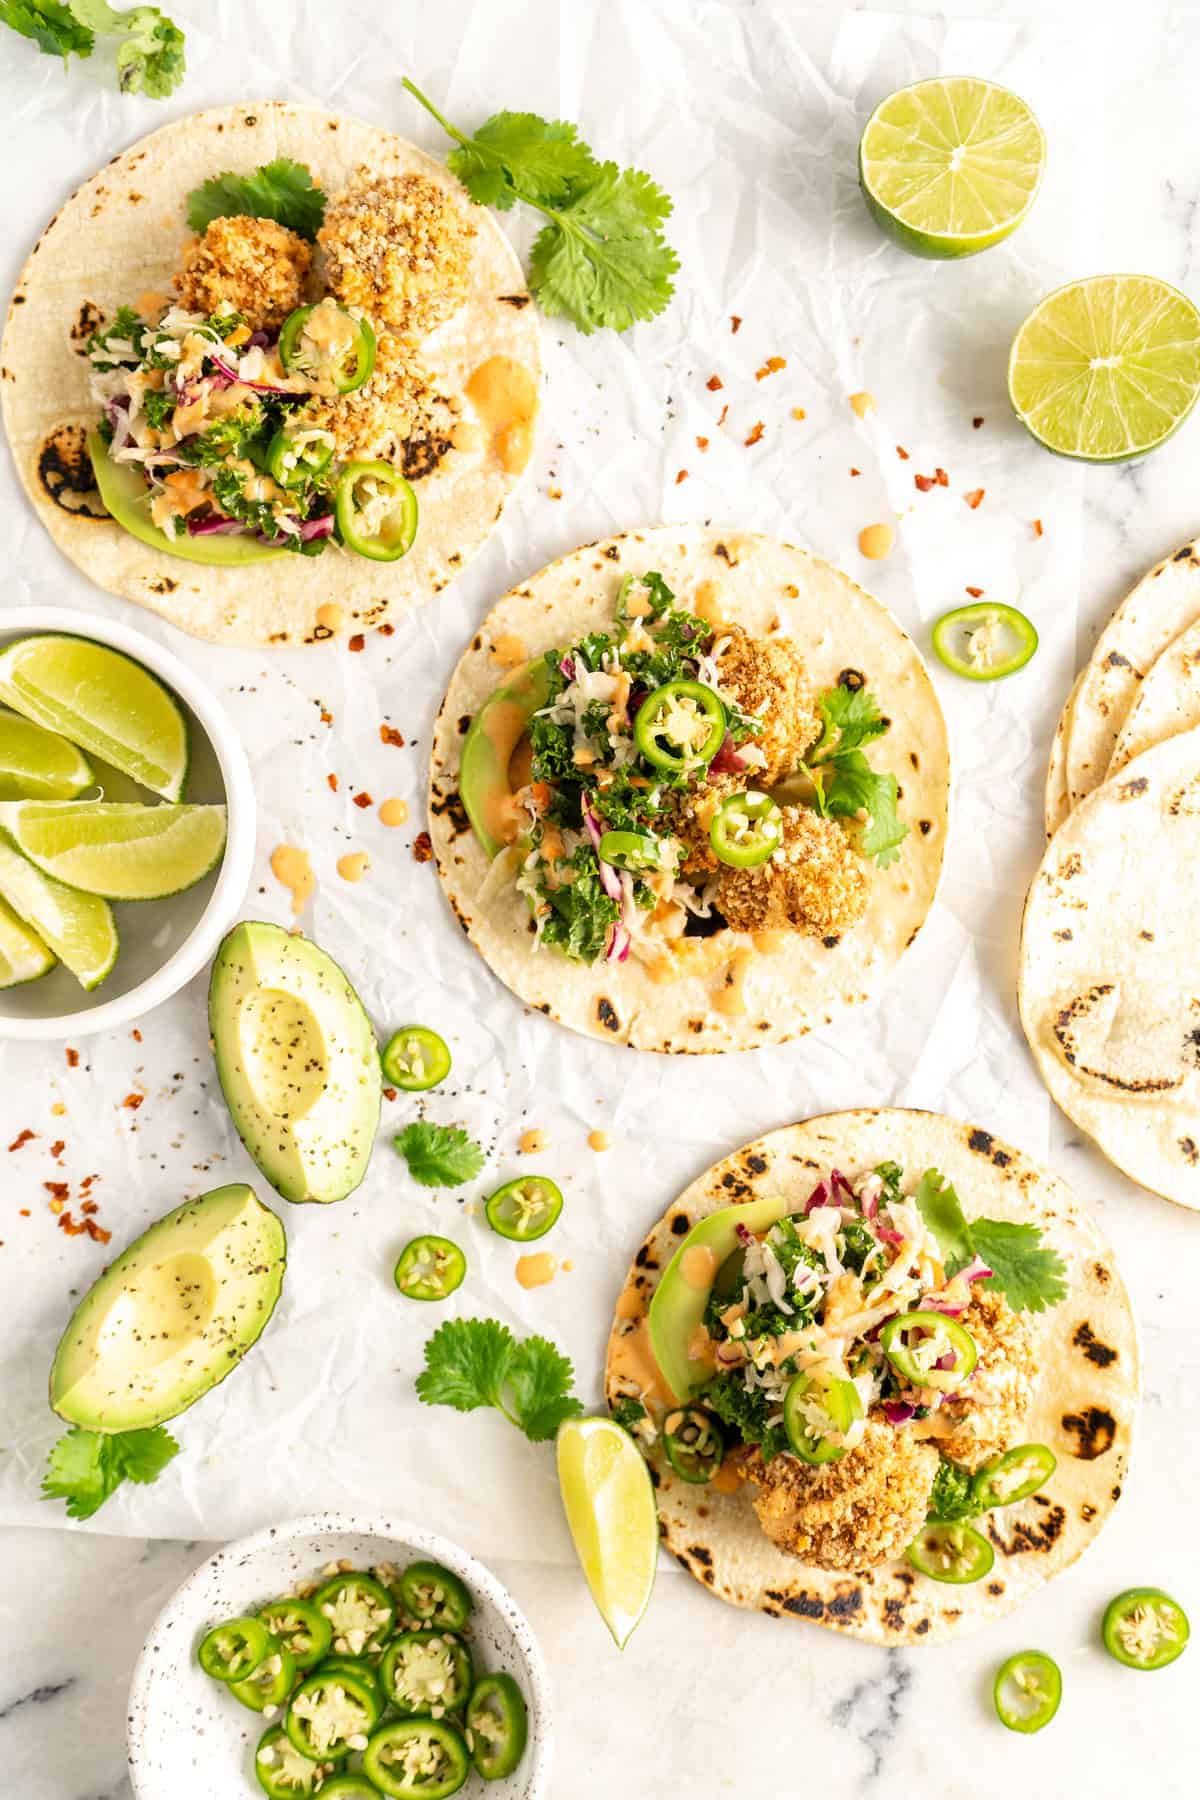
column 127, row 821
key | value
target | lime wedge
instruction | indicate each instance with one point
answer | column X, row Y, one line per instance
column 609, row 1503
column 79, row 928
column 23, row 955
column 1107, row 368
column 950, row 166
column 39, row 765
column 105, row 702
column 120, row 852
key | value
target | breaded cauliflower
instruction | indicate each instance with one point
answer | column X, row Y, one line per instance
column 767, row 678
column 399, row 247
column 987, row 1417
column 397, row 414
column 255, row 266
column 853, row 1514
column 815, row 883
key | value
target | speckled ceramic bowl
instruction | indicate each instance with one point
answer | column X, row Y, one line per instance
column 188, row 1740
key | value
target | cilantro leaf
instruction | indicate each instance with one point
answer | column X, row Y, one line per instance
column 439, row 1155
column 951, row 1497
column 845, row 785
column 601, row 260
column 86, row 1467
column 939, row 1206
column 852, row 718
column 1030, row 1276
column 52, row 27
column 281, row 190
column 627, row 1411
column 471, row 1363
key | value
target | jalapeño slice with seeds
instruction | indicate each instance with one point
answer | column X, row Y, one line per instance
column 1014, row 1476
column 283, row 1773
column 634, row 850
column 524, row 1209
column 324, row 341
column 1027, row 1690
column 929, row 1349
column 301, row 1627
column 1145, row 1629
column 430, row 1268
column 694, row 1443
column 955, row 1553
column 984, row 642
column 817, row 1414
column 416, row 1059
column 271, row 1682
column 417, row 1759
column 422, row 1670
column 327, row 1711
column 498, row 1724
column 376, row 511
column 233, row 1651
column 360, row 1610
column 680, row 727
column 746, row 830
column 434, row 1596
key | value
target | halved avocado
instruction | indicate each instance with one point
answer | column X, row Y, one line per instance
column 297, row 1061
column 126, row 498
column 173, row 1315
column 493, row 735
column 679, row 1300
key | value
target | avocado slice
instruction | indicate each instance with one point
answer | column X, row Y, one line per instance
column 173, row 1315
column 493, row 735
column 126, row 499
column 679, row 1300
column 297, row 1061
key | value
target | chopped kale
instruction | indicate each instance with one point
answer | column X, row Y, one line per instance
column 859, row 1248
column 627, row 1411
column 581, row 912
column 158, row 406
column 951, row 1498
column 745, row 1411
column 553, row 751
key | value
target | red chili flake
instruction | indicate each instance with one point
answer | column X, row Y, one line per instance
column 90, row 1206
column 975, row 593
column 389, row 1093
column 756, row 431
column 87, row 1183
column 941, row 477
column 724, row 414
column 357, row 642
column 772, row 366
column 856, row 471
column 389, row 735
column 363, row 799
column 25, row 1213
column 136, row 1035
column 974, row 497
column 22, row 1138
column 66, row 1222
column 681, row 476
column 387, row 631
column 798, row 412
column 58, row 1191
column 326, row 717
column 72, row 1059
column 422, row 847
column 133, row 1101
column 56, row 1149
column 1037, row 528
column 333, row 783
column 977, row 421
column 96, row 1232
column 714, row 384
column 701, row 443
column 901, row 452
column 735, row 323
column 924, row 482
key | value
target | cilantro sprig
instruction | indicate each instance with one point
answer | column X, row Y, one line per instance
column 150, row 47
column 86, row 1468
column 282, row 190
column 844, row 782
column 439, row 1155
column 601, row 260
column 1024, row 1270
column 473, row 1363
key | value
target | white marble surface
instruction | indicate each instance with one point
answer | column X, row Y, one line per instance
column 748, row 1705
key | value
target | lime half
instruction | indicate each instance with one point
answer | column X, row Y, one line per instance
column 119, row 852
column 105, row 702
column 951, row 166
column 36, row 764
column 23, row 955
column 609, row 1503
column 1107, row 368
column 79, row 928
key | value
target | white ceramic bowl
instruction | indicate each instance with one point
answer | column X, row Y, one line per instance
column 188, row 1740
column 163, row 942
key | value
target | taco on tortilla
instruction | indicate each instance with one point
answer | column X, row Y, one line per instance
column 885, row 1373
column 334, row 371
column 706, row 804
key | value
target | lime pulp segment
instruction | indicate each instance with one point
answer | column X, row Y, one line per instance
column 951, row 166
column 119, row 852
column 1107, row 368
column 36, row 764
column 23, row 954
column 609, row 1503
column 103, row 701
column 79, row 928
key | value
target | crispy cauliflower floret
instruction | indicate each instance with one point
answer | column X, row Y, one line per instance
column 815, row 883
column 399, row 247
column 854, row 1514
column 767, row 677
column 397, row 414
column 255, row 266
column 691, row 813
column 987, row 1418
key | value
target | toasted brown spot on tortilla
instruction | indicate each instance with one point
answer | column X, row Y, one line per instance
column 921, row 1627
column 606, row 1013
column 1102, row 1273
column 924, row 826
column 464, row 724
column 1184, row 555
column 831, row 942
column 912, row 757
column 162, row 584
column 1065, row 936
column 1025, row 1539
column 88, row 320
column 1190, row 1153
column 450, row 806
column 701, row 1553
column 845, row 1603
column 854, row 679
column 644, row 1259
column 514, row 300
column 981, row 1142
column 1087, row 1512
column 1103, row 1355
column 722, row 550
column 1129, row 790
column 1114, row 660
column 1072, row 867
column 756, row 1164
column 805, row 1605
column 680, row 1225
column 420, row 455
column 995, row 1589
column 1094, row 1430
column 65, row 471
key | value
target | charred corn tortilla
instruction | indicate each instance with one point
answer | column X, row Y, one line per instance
column 1084, row 1404
column 1109, row 982
column 1057, row 800
column 120, row 237
column 765, row 586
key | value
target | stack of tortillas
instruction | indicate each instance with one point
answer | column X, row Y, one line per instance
column 1109, row 982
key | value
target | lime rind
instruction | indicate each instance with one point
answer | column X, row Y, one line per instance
column 118, row 852
column 36, row 764
column 951, row 166
column 55, row 681
column 24, row 956
column 608, row 1498
column 1107, row 368
column 79, row 928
